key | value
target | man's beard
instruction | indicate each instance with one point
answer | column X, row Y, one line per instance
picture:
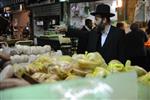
column 100, row 27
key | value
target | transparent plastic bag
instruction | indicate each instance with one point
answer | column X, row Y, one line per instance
column 121, row 86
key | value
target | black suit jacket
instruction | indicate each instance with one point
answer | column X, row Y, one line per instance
column 84, row 29
column 135, row 49
column 82, row 36
column 134, row 43
column 113, row 47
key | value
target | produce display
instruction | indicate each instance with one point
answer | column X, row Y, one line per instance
column 35, row 50
column 50, row 68
column 25, row 54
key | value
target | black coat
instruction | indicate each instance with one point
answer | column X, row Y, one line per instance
column 84, row 29
column 113, row 47
column 82, row 39
column 134, row 43
column 134, row 47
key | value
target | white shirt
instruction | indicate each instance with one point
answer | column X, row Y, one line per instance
column 104, row 34
column 87, row 28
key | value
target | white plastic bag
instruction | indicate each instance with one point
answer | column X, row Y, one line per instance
column 7, row 72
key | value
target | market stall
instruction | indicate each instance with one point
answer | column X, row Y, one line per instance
column 49, row 67
column 79, row 72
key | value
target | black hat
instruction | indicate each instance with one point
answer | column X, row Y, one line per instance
column 104, row 10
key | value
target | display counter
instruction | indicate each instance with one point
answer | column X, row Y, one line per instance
column 45, row 40
column 56, row 41
column 11, row 42
column 84, row 89
column 81, row 76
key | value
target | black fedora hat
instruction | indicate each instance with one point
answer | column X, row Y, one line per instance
column 104, row 10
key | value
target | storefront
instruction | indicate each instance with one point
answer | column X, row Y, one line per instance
column 45, row 17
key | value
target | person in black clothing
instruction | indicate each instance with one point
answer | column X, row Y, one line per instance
column 105, row 38
column 88, row 25
column 134, row 45
column 120, row 25
column 148, row 49
column 83, row 36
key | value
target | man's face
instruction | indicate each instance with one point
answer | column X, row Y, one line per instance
column 100, row 22
column 90, row 25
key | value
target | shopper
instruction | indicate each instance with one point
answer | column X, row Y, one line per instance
column 121, row 26
column 82, row 37
column 88, row 25
column 134, row 45
column 148, row 49
column 106, row 39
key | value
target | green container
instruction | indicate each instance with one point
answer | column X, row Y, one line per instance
column 119, row 86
